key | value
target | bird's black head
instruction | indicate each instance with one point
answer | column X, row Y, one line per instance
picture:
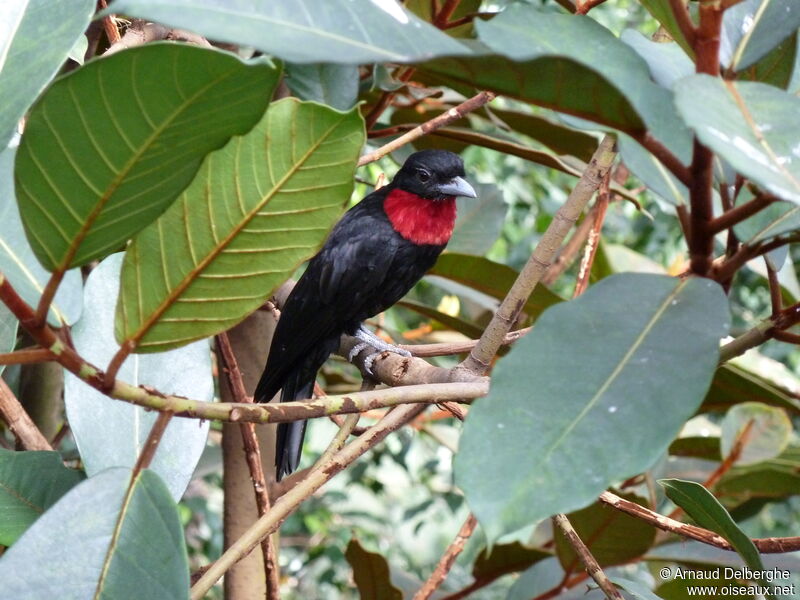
column 433, row 174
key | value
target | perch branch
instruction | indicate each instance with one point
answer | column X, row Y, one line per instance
column 19, row 422
column 481, row 356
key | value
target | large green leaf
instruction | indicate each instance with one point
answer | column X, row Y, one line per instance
column 733, row 383
column 753, row 126
column 30, row 482
column 107, row 539
column 371, row 573
column 706, row 511
column 331, row 84
column 583, row 389
column 258, row 208
column 27, row 64
column 111, row 145
column 118, row 443
column 19, row 264
column 751, row 29
column 305, row 30
column 666, row 61
column 613, row 537
column 491, row 278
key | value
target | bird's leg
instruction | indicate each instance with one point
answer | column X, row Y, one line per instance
column 369, row 339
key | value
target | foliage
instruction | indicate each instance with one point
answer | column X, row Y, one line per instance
column 154, row 195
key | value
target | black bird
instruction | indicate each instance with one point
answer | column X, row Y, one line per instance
column 374, row 255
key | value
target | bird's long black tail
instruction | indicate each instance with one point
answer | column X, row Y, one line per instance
column 290, row 435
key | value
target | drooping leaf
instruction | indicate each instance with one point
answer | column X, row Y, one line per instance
column 556, row 422
column 241, row 228
column 371, row 573
column 733, row 384
column 615, row 86
column 662, row 12
column 326, row 83
column 26, row 64
column 110, row 433
column 666, row 60
column 491, row 278
column 706, row 511
column 612, row 537
column 776, row 68
column 506, row 558
column 19, row 264
column 110, row 145
column 479, row 222
column 752, row 28
column 30, row 482
column 774, row 478
column 305, row 31
column 706, row 447
column 768, row 431
column 751, row 125
column 105, row 541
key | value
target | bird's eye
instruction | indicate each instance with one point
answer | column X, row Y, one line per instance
column 423, row 176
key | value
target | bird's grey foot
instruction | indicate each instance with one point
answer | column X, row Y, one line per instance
column 370, row 340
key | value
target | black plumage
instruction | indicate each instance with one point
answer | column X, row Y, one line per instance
column 365, row 266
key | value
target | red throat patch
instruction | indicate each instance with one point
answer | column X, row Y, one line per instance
column 418, row 220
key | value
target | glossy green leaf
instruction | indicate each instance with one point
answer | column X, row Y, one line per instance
column 612, row 537
column 371, row 573
column 666, row 60
column 696, row 447
column 615, row 89
column 258, row 208
column 706, row 511
column 776, row 68
column 752, row 28
column 112, row 434
column 557, row 424
column 506, row 558
column 491, row 278
column 27, row 64
column 8, row 332
column 111, row 144
column 326, row 83
column 100, row 542
column 30, row 482
column 751, row 125
column 766, row 437
column 18, row 262
column 479, row 222
column 305, row 31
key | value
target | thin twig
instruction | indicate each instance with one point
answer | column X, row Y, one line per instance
column 776, row 299
column 151, row 443
column 19, row 422
column 252, row 453
column 739, row 213
column 765, row 545
column 572, row 248
column 453, row 114
column 26, row 356
column 667, row 158
column 442, row 18
column 683, row 20
column 386, row 99
column 588, row 561
column 479, row 360
column 300, row 492
column 448, row 558
column 338, row 441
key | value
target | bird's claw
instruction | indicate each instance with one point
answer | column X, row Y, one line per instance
column 370, row 340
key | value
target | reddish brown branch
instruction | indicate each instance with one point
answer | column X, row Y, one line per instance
column 18, row 421
column 26, row 356
column 252, row 453
column 442, row 18
column 684, row 20
column 739, row 213
column 776, row 299
column 593, row 241
column 448, row 558
column 385, row 100
column 584, row 7
column 667, row 158
column 151, row 443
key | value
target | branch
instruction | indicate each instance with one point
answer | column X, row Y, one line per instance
column 587, row 5
column 442, row 18
column 26, row 356
column 684, row 21
column 455, row 113
column 667, row 158
column 764, row 545
column 292, row 498
column 739, row 213
column 448, row 558
column 588, row 561
column 481, row 356
column 585, row 270
column 252, row 453
column 151, row 443
column 110, row 25
column 19, row 422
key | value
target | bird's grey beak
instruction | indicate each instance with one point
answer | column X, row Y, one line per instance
column 457, row 186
